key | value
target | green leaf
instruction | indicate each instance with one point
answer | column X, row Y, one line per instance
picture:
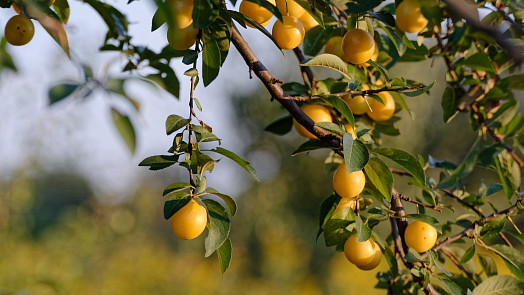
column 357, row 7
column 243, row 163
column 62, row 10
column 61, row 91
column 326, row 209
column 330, row 61
column 381, row 69
column 379, row 175
column 125, row 128
column 159, row 18
column 316, row 38
column 514, row 82
column 224, row 255
column 281, row 126
column 175, row 187
column 310, row 145
column 513, row 258
column 400, row 99
column 342, row 107
column 363, row 231
column 230, row 202
column 491, row 229
column 175, row 202
column 331, row 127
column 210, row 60
column 452, row 287
column 488, row 264
column 204, row 13
column 450, row 102
column 426, row 219
column 356, row 154
column 434, row 259
column 219, row 226
column 504, row 178
column 335, row 232
column 219, row 32
column 463, row 169
column 499, row 285
column 159, row 162
column 478, row 61
column 419, row 91
column 468, row 254
column 116, row 21
column 406, row 160
column 174, row 123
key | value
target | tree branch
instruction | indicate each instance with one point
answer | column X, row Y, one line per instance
column 468, row 231
column 357, row 92
column 469, row 13
column 408, row 199
column 459, row 265
column 278, row 93
column 307, row 74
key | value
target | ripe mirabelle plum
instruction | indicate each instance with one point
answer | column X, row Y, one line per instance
column 190, row 221
column 308, row 21
column 409, row 17
column 256, row 12
column 362, row 254
column 345, row 203
column 293, row 8
column 288, row 34
column 19, row 30
column 358, row 46
column 348, row 185
column 182, row 39
column 317, row 113
column 420, row 236
column 379, row 111
column 182, row 12
column 334, row 46
column 358, row 104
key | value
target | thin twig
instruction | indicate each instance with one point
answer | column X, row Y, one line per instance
column 468, row 231
column 191, row 141
column 459, row 265
column 408, row 199
column 462, row 202
column 357, row 92
column 516, row 26
column 307, row 74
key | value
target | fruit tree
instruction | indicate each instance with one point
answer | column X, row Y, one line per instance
column 481, row 44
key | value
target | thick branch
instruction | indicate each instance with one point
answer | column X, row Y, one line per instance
column 277, row 92
column 469, row 13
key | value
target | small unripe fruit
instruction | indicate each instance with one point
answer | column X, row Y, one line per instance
column 19, row 30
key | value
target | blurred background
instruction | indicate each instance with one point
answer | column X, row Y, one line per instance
column 78, row 216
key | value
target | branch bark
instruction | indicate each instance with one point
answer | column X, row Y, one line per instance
column 277, row 92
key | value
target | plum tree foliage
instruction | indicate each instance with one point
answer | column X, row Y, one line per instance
column 483, row 57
